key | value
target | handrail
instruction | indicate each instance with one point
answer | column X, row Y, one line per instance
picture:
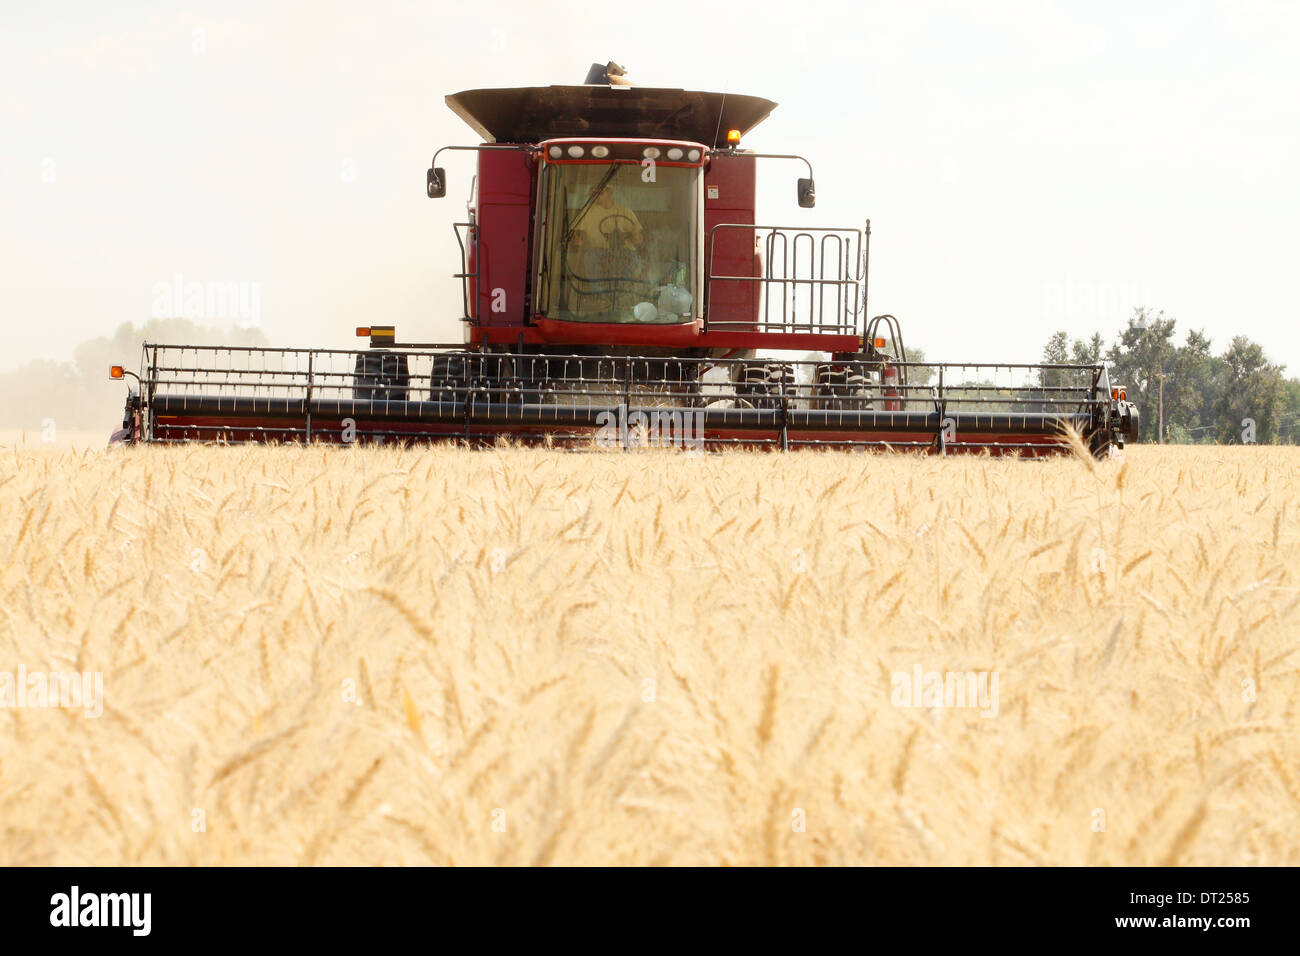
column 465, row 275
column 819, row 258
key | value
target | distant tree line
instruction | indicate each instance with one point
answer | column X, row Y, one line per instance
column 1200, row 397
column 78, row 394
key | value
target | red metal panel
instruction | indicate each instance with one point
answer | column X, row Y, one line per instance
column 631, row 333
column 729, row 197
column 248, row 429
column 506, row 183
column 504, row 335
column 657, row 336
column 801, row 341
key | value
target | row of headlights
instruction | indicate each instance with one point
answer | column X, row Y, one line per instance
column 674, row 153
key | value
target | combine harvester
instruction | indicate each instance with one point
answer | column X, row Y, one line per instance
column 616, row 290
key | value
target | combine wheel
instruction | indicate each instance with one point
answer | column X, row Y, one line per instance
column 1128, row 421
column 841, row 386
column 447, row 378
column 765, row 384
column 478, row 378
column 682, row 384
column 1109, row 439
column 526, row 380
column 381, row 376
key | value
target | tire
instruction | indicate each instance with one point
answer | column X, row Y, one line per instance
column 525, row 378
column 479, row 379
column 841, row 386
column 447, row 378
column 766, row 384
column 381, row 377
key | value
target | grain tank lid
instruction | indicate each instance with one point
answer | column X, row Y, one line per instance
column 534, row 113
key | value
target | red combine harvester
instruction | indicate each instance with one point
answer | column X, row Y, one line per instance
column 618, row 290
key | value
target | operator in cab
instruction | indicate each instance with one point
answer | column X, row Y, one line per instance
column 609, row 225
column 611, row 240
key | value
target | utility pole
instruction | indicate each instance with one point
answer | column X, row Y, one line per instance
column 1160, row 433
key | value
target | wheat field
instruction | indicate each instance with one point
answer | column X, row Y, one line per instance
column 442, row 656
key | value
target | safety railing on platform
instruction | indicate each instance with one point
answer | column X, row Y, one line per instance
column 809, row 279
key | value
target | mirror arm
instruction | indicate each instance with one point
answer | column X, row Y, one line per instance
column 735, row 152
column 435, row 178
column 486, row 146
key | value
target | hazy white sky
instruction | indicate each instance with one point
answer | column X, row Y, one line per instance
column 1026, row 166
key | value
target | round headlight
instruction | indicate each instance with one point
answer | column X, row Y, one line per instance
column 674, row 154
column 600, row 152
column 650, row 152
column 555, row 152
column 693, row 155
column 575, row 152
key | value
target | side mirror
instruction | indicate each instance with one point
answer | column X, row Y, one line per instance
column 435, row 182
column 807, row 194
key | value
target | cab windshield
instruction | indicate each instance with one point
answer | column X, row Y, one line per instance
column 616, row 248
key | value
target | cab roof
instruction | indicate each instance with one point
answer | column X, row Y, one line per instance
column 530, row 114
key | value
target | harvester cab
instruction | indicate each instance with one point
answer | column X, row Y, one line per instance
column 623, row 218
column 613, row 271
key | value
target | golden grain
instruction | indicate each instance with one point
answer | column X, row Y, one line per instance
column 520, row 685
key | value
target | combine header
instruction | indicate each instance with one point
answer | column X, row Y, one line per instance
column 617, row 290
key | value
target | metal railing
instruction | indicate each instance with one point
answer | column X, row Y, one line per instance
column 213, row 393
column 466, row 242
column 811, row 279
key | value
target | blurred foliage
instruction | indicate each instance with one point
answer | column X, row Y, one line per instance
column 79, row 395
column 1205, row 397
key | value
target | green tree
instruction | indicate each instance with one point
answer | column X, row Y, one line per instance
column 1289, row 431
column 1253, row 393
column 1060, row 350
column 1057, row 349
column 1089, row 352
column 1191, row 389
column 1138, row 361
column 1205, row 397
column 918, row 376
